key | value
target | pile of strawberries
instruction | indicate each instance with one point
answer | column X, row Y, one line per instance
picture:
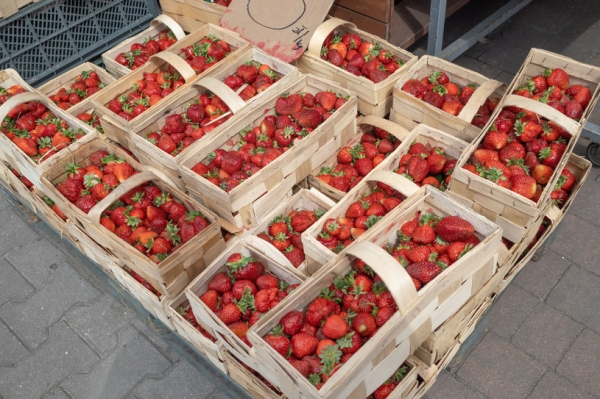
column 92, row 119
column 284, row 233
column 146, row 92
column 552, row 88
column 188, row 314
column 5, row 94
column 428, row 243
column 225, row 3
column 354, row 163
column 425, row 166
column 438, row 91
column 85, row 186
column 243, row 293
column 359, row 57
column 38, row 132
column 360, row 216
column 140, row 52
column 254, row 76
column 520, row 152
column 205, row 53
column 181, row 130
column 335, row 325
column 386, row 389
column 153, row 221
column 563, row 187
column 84, row 85
column 297, row 115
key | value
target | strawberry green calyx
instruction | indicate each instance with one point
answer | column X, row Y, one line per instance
column 236, row 266
column 330, row 358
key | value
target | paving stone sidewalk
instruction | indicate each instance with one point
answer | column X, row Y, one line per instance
column 64, row 334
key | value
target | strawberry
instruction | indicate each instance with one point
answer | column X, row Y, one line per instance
column 481, row 156
column 301, row 222
column 210, row 299
column 419, row 254
column 454, row 228
column 418, row 169
column 424, row 271
column 364, row 324
column 278, row 341
column 574, row 110
column 495, row 140
column 334, row 327
column 220, row 283
column 523, row 185
column 319, row 309
column 457, row 249
column 557, row 77
column 304, row 344
column 294, row 255
column 424, row 235
column 230, row 313
column 363, row 166
column 292, row 322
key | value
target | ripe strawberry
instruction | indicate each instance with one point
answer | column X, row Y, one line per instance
column 220, row 283
column 364, row 324
column 304, row 344
column 495, row 140
column 383, row 315
column 294, row 255
column 278, row 341
column 423, row 271
column 334, row 327
column 557, row 77
column 319, row 309
column 210, row 299
column 363, row 166
column 573, row 110
column 523, row 185
column 454, row 228
column 418, row 169
column 418, row 254
column 71, row 189
column 292, row 322
column 301, row 222
column 457, row 249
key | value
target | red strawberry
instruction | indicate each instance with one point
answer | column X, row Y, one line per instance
column 423, row 271
column 364, row 324
column 304, row 344
column 292, row 322
column 220, row 283
column 557, row 77
column 454, row 228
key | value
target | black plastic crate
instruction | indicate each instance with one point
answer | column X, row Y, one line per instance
column 48, row 38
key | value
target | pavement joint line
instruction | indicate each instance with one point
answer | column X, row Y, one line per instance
column 558, row 279
column 84, row 339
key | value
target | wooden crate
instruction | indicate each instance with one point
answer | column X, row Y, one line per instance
column 370, row 94
column 117, row 128
column 158, row 24
column 280, row 175
column 419, row 313
column 23, row 163
column 174, row 273
column 66, row 79
column 411, row 110
column 511, row 211
column 316, row 253
column 250, row 382
column 351, row 139
column 155, row 305
column 87, row 106
column 269, row 257
column 538, row 61
column 9, row 77
column 213, row 351
column 193, row 14
column 151, row 155
column 56, row 173
column 310, row 200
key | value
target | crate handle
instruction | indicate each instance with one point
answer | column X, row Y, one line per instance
column 394, row 180
column 395, row 277
column 316, row 42
column 401, row 133
column 178, row 63
column 268, row 250
column 169, row 23
column 120, row 190
column 477, row 99
column 542, row 109
column 233, row 101
column 18, row 99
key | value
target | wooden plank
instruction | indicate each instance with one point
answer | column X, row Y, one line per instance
column 8, row 8
column 363, row 22
column 379, row 10
column 410, row 20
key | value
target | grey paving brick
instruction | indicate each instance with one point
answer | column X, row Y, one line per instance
column 480, row 47
column 522, row 34
column 134, row 359
column 31, row 318
column 100, row 322
column 553, row 385
column 505, row 77
column 499, row 371
column 538, row 13
column 585, row 204
column 448, row 387
column 546, row 334
column 583, row 31
column 577, row 295
column 538, row 278
column 34, row 261
column 505, row 56
column 3, row 202
column 183, row 382
column 19, row 234
column 510, row 310
column 570, row 244
column 477, row 66
column 157, row 340
column 56, row 394
column 580, row 364
column 12, row 285
column 63, row 354
column 11, row 349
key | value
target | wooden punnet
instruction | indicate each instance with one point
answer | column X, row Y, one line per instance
column 410, row 111
column 351, row 139
column 23, row 163
column 117, row 128
column 193, row 14
column 373, row 98
column 419, row 313
column 65, row 80
column 246, row 204
column 511, row 211
column 274, row 263
column 9, row 77
column 247, row 380
column 305, row 200
column 151, row 155
column 159, row 23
